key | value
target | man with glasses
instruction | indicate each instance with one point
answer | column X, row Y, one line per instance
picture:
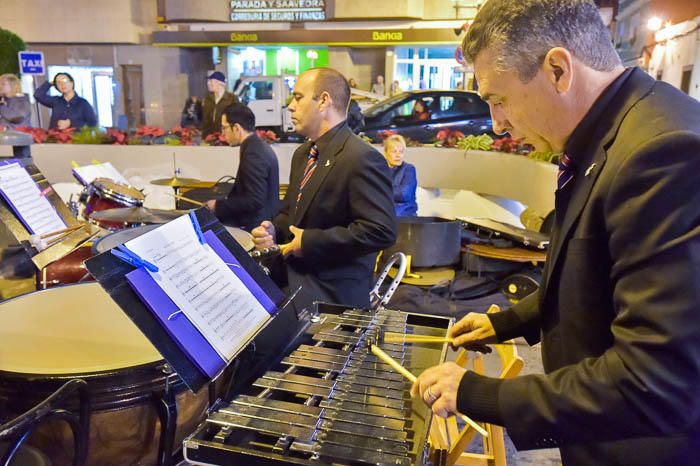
column 254, row 196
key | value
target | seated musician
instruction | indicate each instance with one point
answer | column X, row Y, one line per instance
column 254, row 196
column 338, row 212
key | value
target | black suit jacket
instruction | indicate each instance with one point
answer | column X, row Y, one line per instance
column 618, row 311
column 347, row 214
column 254, row 196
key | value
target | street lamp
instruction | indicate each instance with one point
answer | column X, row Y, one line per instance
column 654, row 23
column 312, row 55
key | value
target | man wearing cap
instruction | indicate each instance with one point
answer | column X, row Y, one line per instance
column 215, row 103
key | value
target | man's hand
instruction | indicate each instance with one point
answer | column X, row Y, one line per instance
column 63, row 124
column 294, row 246
column 211, row 204
column 438, row 386
column 264, row 235
column 474, row 332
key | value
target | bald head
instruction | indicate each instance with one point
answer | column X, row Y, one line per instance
column 331, row 81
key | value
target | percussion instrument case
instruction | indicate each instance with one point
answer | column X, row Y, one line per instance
column 111, row 271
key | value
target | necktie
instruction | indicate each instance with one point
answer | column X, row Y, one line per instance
column 309, row 170
column 566, row 171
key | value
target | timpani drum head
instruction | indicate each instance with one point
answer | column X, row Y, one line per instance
column 242, row 237
column 69, row 330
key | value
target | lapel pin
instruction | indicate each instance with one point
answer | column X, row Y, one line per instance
column 590, row 169
column 328, row 163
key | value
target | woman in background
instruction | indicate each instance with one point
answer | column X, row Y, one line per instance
column 15, row 109
column 404, row 176
column 68, row 111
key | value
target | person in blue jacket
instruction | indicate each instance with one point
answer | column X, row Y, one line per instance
column 68, row 111
column 404, row 176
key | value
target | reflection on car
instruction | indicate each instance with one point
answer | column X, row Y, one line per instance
column 419, row 115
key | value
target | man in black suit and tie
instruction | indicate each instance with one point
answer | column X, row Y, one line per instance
column 338, row 212
column 618, row 309
column 254, row 196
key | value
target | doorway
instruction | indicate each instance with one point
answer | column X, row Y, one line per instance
column 133, row 95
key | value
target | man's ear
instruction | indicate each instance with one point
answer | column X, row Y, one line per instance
column 559, row 67
column 324, row 101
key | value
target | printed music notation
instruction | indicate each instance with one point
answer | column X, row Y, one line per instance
column 203, row 287
column 28, row 202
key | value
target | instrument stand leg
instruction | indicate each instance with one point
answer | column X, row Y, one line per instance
column 167, row 413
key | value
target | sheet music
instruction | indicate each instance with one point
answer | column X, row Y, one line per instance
column 28, row 202
column 89, row 173
column 201, row 285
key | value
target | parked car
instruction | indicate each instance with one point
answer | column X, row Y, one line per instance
column 419, row 115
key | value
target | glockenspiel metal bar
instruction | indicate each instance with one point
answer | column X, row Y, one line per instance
column 362, row 408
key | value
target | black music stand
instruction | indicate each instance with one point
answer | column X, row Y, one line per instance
column 14, row 236
column 111, row 271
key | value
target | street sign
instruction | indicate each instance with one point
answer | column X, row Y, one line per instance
column 32, row 63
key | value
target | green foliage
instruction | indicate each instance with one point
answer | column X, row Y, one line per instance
column 549, row 157
column 10, row 45
column 88, row 135
column 172, row 141
column 472, row 142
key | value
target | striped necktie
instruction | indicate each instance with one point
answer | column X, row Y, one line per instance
column 309, row 170
column 566, row 171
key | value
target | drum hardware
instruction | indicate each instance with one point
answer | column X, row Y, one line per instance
column 377, row 300
column 18, row 429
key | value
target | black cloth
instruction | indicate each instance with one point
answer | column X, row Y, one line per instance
column 617, row 310
column 254, row 196
column 77, row 110
column 355, row 117
column 347, row 215
column 211, row 112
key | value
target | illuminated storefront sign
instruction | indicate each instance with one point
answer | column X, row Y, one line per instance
column 332, row 37
column 278, row 10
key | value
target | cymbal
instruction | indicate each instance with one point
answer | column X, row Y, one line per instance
column 137, row 215
column 176, row 182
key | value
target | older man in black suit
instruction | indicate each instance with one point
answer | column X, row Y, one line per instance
column 254, row 195
column 618, row 310
column 338, row 211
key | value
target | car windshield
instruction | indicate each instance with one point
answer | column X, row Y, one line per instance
column 375, row 110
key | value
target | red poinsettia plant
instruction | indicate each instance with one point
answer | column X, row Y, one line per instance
column 215, row 139
column 185, row 136
column 115, row 136
column 268, row 135
column 511, row 145
column 448, row 138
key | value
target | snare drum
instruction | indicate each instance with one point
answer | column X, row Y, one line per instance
column 51, row 336
column 104, row 194
column 67, row 270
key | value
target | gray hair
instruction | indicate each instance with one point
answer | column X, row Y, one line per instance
column 521, row 32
